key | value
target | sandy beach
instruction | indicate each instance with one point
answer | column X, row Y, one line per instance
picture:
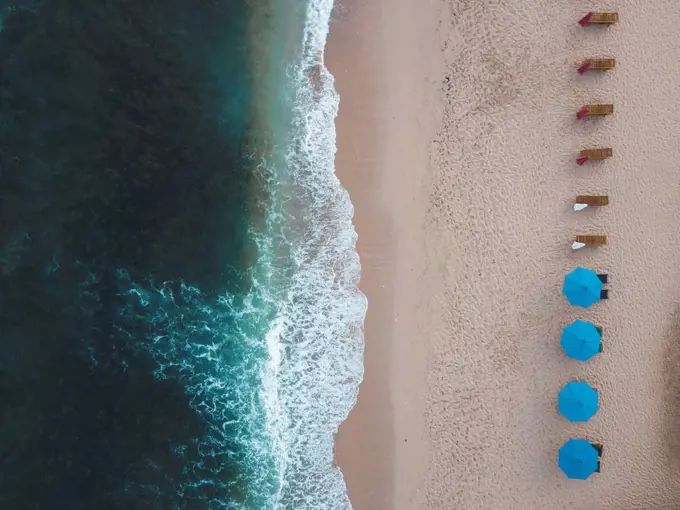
column 456, row 140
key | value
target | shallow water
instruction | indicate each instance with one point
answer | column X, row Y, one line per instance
column 180, row 320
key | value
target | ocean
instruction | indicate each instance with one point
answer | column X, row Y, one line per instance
column 180, row 320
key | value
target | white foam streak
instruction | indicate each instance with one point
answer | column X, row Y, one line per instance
column 316, row 343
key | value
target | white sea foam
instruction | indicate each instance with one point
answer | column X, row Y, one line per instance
column 315, row 345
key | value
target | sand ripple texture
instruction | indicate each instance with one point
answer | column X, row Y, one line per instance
column 499, row 228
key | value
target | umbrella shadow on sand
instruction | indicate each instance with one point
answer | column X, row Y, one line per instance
column 671, row 398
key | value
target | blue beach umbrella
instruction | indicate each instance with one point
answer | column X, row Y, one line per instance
column 578, row 459
column 582, row 287
column 577, row 401
column 581, row 340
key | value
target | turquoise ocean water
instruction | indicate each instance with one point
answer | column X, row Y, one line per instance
column 180, row 322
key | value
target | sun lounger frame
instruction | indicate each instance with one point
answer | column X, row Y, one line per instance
column 599, row 109
column 603, row 18
column 592, row 200
column 600, row 64
column 592, row 240
column 599, row 154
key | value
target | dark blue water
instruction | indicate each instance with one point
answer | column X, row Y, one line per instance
column 123, row 166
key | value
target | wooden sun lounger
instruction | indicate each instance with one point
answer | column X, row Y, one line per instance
column 603, row 18
column 604, row 153
column 597, row 64
column 599, row 109
column 600, row 64
column 592, row 110
column 592, row 200
column 592, row 240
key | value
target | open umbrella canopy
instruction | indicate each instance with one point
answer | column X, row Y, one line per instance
column 582, row 287
column 581, row 340
column 577, row 401
column 578, row 459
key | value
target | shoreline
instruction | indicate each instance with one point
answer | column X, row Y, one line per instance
column 369, row 426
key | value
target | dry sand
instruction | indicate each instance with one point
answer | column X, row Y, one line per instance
column 457, row 140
